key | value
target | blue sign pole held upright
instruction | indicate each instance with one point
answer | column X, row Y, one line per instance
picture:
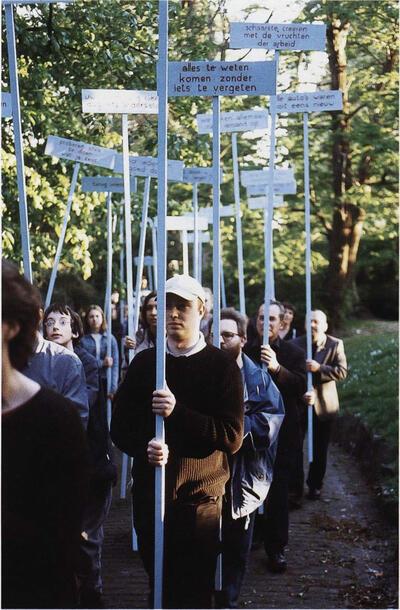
column 196, row 232
column 142, row 243
column 308, row 278
column 108, row 299
column 62, row 235
column 216, row 219
column 19, row 153
column 239, row 240
column 268, row 217
column 162, row 83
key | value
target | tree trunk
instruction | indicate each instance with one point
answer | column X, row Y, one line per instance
column 347, row 218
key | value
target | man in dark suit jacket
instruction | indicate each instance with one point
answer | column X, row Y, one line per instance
column 286, row 365
column 327, row 365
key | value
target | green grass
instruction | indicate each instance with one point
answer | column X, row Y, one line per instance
column 371, row 388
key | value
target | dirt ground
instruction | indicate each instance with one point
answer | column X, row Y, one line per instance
column 341, row 553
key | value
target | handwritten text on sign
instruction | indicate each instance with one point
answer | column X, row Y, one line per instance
column 119, row 101
column 80, row 152
column 317, row 101
column 280, row 188
column 262, row 176
column 214, row 78
column 243, row 120
column 278, row 36
column 148, row 166
column 6, row 106
column 105, row 184
column 198, row 174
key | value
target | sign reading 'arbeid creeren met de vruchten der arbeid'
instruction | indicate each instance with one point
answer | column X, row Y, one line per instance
column 278, row 36
column 315, row 101
column 215, row 78
column 241, row 120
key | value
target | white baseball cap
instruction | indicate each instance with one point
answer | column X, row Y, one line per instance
column 186, row 287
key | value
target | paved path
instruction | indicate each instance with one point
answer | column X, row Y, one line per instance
column 341, row 553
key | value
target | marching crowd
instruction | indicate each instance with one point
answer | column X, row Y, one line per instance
column 235, row 420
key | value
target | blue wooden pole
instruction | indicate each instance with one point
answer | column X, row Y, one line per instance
column 268, row 216
column 108, row 293
column 308, row 277
column 239, row 239
column 154, row 247
column 142, row 243
column 128, row 228
column 195, row 232
column 60, row 244
column 216, row 220
column 162, row 84
column 19, row 151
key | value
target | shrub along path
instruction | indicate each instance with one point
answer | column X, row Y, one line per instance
column 341, row 553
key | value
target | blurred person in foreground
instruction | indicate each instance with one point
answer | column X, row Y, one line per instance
column 202, row 407
column 44, row 465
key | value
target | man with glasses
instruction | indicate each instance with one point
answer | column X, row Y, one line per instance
column 202, row 407
column 286, row 365
column 55, row 367
column 252, row 466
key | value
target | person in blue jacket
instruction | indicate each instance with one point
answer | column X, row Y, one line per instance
column 95, row 342
column 252, row 466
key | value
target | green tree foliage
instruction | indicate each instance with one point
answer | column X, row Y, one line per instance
column 103, row 44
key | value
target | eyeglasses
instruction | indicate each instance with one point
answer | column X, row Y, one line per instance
column 227, row 335
column 61, row 322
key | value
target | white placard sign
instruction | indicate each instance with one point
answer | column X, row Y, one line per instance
column 317, row 101
column 254, row 177
column 255, row 203
column 105, row 184
column 183, row 223
column 225, row 211
column 278, row 36
column 194, row 175
column 280, row 188
column 213, row 78
column 119, row 101
column 80, row 152
column 148, row 166
column 204, row 237
column 6, row 105
column 243, row 120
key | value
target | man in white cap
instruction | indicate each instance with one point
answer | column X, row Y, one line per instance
column 202, row 406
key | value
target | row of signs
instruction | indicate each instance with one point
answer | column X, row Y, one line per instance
column 256, row 181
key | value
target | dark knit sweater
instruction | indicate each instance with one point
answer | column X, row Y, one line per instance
column 205, row 425
column 44, row 461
